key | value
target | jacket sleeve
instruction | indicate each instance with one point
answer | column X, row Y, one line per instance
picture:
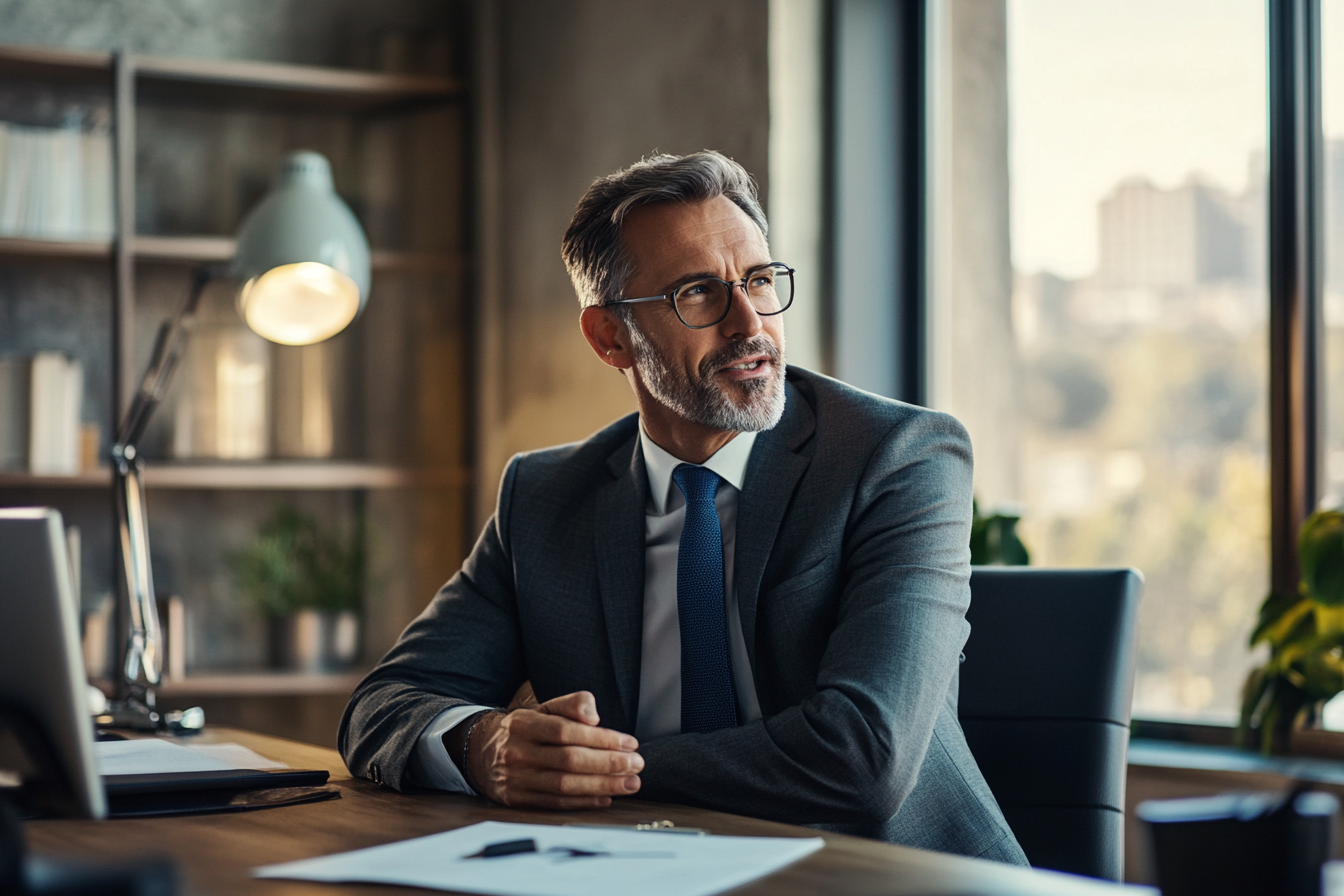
column 852, row 750
column 464, row 648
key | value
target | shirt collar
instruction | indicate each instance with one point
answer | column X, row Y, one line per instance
column 729, row 462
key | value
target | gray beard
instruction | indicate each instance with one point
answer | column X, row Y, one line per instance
column 702, row 400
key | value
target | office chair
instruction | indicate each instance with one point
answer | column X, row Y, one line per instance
column 1045, row 695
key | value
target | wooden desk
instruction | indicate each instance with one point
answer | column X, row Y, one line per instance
column 215, row 852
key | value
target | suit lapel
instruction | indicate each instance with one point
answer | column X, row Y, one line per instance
column 619, row 541
column 772, row 476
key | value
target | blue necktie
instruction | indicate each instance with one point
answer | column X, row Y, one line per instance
column 707, row 699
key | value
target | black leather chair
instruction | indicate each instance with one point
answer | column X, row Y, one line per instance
column 1045, row 694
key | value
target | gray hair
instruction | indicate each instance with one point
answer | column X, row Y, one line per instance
column 592, row 248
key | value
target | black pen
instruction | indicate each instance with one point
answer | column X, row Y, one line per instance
column 505, row 848
column 519, row 847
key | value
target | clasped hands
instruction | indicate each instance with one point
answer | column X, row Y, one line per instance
column 551, row 755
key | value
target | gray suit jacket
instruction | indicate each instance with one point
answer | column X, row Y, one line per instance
column 852, row 572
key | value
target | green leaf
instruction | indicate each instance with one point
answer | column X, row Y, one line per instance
column 1279, row 614
column 1320, row 549
column 294, row 565
column 1330, row 621
column 1322, row 675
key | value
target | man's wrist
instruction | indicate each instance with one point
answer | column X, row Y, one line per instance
column 457, row 741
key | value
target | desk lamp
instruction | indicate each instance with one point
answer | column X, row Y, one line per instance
column 303, row 262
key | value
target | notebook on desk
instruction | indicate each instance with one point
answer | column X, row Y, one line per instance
column 192, row 793
column 151, row 776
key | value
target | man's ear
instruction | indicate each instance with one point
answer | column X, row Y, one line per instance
column 608, row 336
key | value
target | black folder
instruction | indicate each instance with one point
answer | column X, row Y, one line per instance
column 227, row 790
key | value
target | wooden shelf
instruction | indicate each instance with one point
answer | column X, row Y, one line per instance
column 86, row 479
column 57, row 65
column 296, row 475
column 261, row 476
column 27, row 247
column 260, row 684
column 234, row 81
column 185, row 249
column 191, row 249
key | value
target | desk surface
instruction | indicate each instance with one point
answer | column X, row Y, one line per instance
column 215, row 852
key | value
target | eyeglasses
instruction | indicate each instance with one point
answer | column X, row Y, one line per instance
column 705, row 302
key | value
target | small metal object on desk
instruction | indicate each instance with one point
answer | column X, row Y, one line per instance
column 662, row 827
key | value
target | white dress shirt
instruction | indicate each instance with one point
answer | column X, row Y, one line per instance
column 660, row 658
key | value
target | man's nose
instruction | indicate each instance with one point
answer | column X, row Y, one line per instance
column 742, row 319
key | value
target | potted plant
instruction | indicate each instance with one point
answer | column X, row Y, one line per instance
column 994, row 539
column 1305, row 636
column 309, row 584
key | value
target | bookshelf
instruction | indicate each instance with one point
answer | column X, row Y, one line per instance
column 193, row 249
column 277, row 476
column 406, row 363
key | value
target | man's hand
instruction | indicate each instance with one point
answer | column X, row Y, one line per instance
column 524, row 698
column 554, row 756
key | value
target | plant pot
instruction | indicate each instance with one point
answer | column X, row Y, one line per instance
column 314, row 641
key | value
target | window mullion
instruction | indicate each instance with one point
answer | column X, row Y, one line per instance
column 1295, row 316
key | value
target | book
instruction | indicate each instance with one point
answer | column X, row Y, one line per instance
column 56, row 183
column 15, row 179
column 56, row 397
column 14, row 398
column 96, row 158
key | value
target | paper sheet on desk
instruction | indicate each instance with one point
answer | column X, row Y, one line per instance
column 692, row 866
column 148, row 756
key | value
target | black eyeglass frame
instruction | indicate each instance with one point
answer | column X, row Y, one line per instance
column 727, row 306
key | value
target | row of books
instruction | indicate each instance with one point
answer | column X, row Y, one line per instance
column 56, row 183
column 41, row 402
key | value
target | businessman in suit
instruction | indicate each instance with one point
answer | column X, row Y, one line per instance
column 749, row 596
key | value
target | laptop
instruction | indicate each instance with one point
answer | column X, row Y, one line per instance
column 44, row 703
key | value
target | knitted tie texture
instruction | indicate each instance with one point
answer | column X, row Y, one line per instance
column 707, row 699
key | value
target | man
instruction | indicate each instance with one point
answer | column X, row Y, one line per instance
column 750, row 596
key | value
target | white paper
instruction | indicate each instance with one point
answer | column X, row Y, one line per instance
column 235, row 755
column 150, row 756
column 656, row 865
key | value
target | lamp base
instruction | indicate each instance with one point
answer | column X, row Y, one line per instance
column 137, row 712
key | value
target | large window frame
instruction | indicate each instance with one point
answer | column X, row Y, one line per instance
column 1295, row 146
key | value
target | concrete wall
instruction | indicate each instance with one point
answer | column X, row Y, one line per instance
column 571, row 90
column 974, row 366
column 309, row 32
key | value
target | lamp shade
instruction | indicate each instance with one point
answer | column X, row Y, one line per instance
column 302, row 257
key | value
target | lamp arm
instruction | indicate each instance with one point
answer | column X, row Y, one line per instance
column 169, row 345
column 142, row 656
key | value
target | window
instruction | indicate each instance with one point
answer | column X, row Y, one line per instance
column 1099, row 307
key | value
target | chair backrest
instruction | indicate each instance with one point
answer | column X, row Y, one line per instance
column 1044, row 702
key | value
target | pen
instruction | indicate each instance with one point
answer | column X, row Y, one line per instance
column 661, row 827
column 506, row 848
column 518, row 847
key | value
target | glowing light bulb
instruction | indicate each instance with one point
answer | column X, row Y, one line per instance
column 299, row 304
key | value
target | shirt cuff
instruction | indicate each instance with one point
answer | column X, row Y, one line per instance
column 431, row 766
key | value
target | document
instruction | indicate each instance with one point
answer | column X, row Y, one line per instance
column 151, row 756
column 561, row 861
column 236, row 755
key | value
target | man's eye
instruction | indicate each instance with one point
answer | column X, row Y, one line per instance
column 693, row 289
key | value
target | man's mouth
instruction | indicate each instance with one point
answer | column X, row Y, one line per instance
column 747, row 365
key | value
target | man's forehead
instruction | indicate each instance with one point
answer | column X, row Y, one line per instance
column 666, row 230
